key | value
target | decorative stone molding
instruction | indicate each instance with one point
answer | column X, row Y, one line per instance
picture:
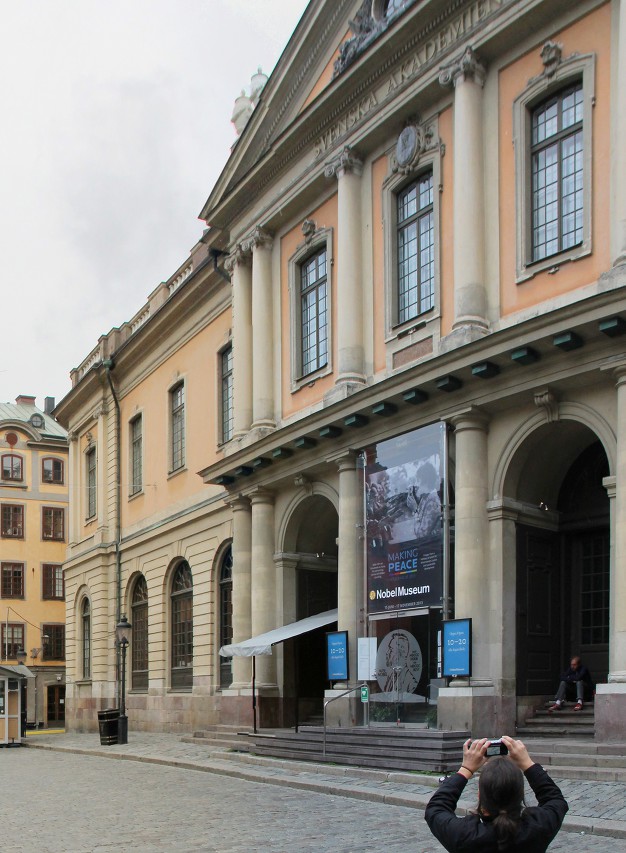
column 100, row 412
column 546, row 400
column 345, row 162
column 308, row 229
column 365, row 29
column 239, row 256
column 259, row 239
column 414, row 141
column 466, row 67
column 303, row 482
column 551, row 57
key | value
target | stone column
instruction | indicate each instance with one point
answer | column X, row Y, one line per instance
column 617, row 638
column 349, row 278
column 242, row 572
column 471, row 550
column 350, row 555
column 470, row 704
column 239, row 266
column 263, row 580
column 262, row 330
column 467, row 75
column 619, row 104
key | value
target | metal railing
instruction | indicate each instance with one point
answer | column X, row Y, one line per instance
column 334, row 699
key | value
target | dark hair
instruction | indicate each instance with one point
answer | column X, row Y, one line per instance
column 501, row 797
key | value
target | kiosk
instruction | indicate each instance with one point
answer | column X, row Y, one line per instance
column 11, row 682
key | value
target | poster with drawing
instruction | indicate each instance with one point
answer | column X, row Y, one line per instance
column 404, row 520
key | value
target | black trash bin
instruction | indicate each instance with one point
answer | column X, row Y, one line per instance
column 108, row 721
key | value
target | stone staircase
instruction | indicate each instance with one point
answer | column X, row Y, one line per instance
column 566, row 723
column 222, row 737
column 389, row 748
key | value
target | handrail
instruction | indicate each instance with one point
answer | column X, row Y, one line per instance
column 327, row 703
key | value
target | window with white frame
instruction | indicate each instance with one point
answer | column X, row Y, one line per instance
column 91, row 477
column 136, row 455
column 310, row 299
column 552, row 124
column 226, row 401
column 416, row 249
column 85, row 619
column 177, row 426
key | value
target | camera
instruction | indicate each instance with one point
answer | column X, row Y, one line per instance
column 496, row 747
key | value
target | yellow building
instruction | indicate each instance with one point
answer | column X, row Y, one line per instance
column 424, row 218
column 33, row 504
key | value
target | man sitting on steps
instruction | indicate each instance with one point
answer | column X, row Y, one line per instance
column 577, row 675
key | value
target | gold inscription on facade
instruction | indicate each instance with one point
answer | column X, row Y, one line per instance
column 447, row 36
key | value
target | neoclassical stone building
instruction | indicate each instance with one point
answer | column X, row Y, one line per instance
column 425, row 228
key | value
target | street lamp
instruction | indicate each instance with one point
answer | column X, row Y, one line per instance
column 122, row 632
column 20, row 656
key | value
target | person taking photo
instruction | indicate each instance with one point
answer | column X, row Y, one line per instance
column 501, row 821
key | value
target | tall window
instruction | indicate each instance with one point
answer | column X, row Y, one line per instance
column 12, row 640
column 12, row 584
column 12, row 521
column 226, row 616
column 416, row 249
column 177, row 404
column 139, row 657
column 53, row 586
column 92, row 483
column 182, row 627
column 53, row 523
column 557, row 173
column 85, row 618
column 314, row 313
column 52, row 470
column 136, row 455
column 12, row 468
column 226, row 371
column 54, row 648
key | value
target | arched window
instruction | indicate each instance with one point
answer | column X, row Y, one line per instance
column 182, row 627
column 226, row 616
column 139, row 615
column 12, row 467
column 86, row 637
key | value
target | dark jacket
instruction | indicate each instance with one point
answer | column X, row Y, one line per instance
column 581, row 674
column 472, row 834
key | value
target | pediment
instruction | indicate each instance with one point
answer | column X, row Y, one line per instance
column 304, row 71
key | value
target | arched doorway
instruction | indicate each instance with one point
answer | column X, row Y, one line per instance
column 311, row 542
column 562, row 555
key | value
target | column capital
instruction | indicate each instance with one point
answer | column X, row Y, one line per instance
column 610, row 484
column 345, row 162
column 346, row 460
column 238, row 504
column 239, row 256
column 259, row 239
column 466, row 67
column 259, row 495
column 470, row 418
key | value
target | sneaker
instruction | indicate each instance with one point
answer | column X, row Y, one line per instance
column 578, row 706
column 555, row 707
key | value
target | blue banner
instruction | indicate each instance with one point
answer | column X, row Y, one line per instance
column 337, row 655
column 457, row 648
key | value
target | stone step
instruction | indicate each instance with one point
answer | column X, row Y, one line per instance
column 539, row 730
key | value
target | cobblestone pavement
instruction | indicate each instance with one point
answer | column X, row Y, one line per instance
column 76, row 803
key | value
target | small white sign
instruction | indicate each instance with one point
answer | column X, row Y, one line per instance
column 367, row 659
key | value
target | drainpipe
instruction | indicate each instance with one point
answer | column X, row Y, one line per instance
column 109, row 365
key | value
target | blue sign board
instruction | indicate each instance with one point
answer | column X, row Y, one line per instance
column 337, row 655
column 457, row 647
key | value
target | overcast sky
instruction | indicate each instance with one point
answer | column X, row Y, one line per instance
column 115, row 124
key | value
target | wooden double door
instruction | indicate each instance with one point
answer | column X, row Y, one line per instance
column 56, row 704
column 562, row 605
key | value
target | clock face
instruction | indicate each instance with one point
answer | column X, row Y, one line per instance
column 406, row 145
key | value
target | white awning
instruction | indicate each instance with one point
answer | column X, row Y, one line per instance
column 19, row 671
column 262, row 645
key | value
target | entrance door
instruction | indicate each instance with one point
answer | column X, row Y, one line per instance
column 590, row 601
column 56, row 704
column 539, row 611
